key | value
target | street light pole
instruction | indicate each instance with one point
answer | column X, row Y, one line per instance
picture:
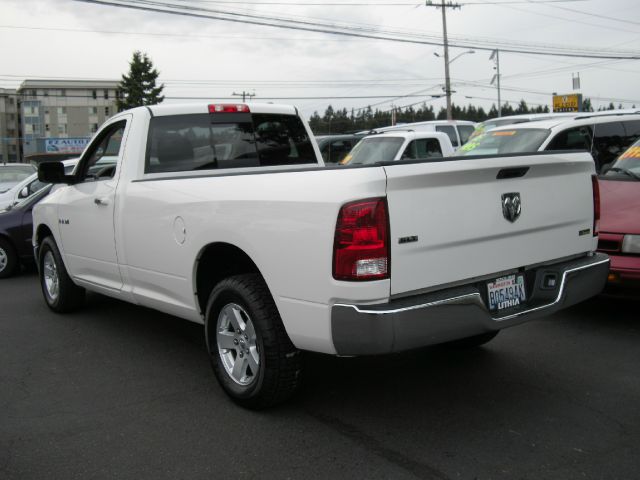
column 447, row 78
column 495, row 55
column 447, row 63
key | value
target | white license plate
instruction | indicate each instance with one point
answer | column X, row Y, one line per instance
column 506, row 292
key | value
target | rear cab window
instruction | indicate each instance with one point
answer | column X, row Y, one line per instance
column 200, row 142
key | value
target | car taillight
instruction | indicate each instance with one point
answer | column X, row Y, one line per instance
column 361, row 244
column 596, row 205
column 229, row 108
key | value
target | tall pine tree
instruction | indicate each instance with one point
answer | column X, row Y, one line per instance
column 139, row 88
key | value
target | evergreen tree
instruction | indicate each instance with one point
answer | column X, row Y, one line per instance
column 139, row 88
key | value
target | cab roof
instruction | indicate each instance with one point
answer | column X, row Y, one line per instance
column 203, row 107
column 561, row 122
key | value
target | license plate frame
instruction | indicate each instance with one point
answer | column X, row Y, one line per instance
column 506, row 292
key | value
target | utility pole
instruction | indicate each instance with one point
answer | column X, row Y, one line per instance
column 495, row 56
column 244, row 95
column 447, row 79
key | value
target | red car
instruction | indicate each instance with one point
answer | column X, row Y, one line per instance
column 620, row 217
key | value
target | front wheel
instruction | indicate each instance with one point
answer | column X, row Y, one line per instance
column 60, row 293
column 8, row 259
column 250, row 351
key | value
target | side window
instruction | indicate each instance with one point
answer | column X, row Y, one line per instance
column 577, row 138
column 423, row 149
column 428, row 148
column 632, row 131
column 449, row 130
column 608, row 143
column 409, row 152
column 465, row 132
column 99, row 162
column 35, row 186
column 336, row 151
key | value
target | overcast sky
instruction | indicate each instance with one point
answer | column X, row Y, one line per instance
column 71, row 39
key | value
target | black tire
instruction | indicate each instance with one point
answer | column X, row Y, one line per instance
column 9, row 262
column 475, row 341
column 279, row 366
column 69, row 296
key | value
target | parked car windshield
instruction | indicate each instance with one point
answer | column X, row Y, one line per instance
column 628, row 164
column 505, row 141
column 11, row 175
column 374, row 150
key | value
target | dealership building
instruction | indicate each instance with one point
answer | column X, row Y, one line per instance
column 53, row 116
column 9, row 123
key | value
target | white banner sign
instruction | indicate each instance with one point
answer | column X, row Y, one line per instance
column 65, row 145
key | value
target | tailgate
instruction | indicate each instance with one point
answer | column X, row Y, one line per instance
column 447, row 221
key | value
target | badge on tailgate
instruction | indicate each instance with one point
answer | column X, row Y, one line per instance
column 511, row 206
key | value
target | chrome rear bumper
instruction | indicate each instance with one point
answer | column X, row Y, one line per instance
column 460, row 312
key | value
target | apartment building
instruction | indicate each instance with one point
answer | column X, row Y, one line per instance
column 60, row 116
column 9, row 126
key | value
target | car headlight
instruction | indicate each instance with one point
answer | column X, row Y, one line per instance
column 631, row 244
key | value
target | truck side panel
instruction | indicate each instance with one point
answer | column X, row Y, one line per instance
column 285, row 222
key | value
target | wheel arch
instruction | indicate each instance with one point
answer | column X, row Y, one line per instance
column 215, row 262
column 6, row 237
column 42, row 231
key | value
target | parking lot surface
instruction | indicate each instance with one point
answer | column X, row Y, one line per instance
column 119, row 391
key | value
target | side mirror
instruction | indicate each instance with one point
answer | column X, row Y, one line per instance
column 605, row 168
column 53, row 172
column 24, row 193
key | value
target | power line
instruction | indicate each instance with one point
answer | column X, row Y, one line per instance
column 320, row 28
column 369, row 4
column 572, row 20
column 597, row 15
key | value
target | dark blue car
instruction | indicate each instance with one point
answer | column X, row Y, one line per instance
column 16, row 224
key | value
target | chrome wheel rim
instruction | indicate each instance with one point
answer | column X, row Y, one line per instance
column 4, row 259
column 50, row 276
column 237, row 348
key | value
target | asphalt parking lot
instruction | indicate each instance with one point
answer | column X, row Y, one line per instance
column 119, row 391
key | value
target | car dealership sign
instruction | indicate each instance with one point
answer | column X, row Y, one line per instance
column 65, row 145
column 567, row 103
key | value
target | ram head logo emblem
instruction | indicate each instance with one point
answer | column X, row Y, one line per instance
column 511, row 206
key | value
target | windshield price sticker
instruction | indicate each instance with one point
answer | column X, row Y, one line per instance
column 509, row 133
column 633, row 152
column 506, row 292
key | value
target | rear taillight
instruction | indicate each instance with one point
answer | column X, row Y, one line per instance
column 229, row 108
column 361, row 245
column 596, row 205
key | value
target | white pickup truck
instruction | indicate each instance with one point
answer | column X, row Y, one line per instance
column 225, row 215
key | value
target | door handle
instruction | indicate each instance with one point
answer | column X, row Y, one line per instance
column 101, row 201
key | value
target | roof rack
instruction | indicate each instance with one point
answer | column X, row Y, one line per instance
column 375, row 132
column 612, row 114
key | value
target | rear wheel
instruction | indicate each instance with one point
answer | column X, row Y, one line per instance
column 60, row 293
column 475, row 341
column 8, row 259
column 251, row 354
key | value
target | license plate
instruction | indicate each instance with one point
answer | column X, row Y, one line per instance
column 506, row 292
